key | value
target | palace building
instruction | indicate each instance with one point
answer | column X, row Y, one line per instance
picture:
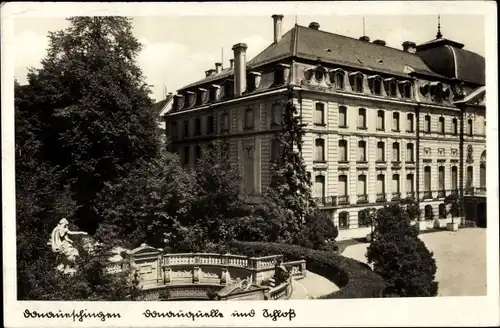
column 382, row 123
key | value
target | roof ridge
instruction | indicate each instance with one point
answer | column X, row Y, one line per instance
column 348, row 37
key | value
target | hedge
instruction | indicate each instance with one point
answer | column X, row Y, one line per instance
column 354, row 279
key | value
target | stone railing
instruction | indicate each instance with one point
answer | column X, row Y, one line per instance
column 157, row 270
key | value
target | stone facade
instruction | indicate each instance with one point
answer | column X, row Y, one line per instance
column 372, row 137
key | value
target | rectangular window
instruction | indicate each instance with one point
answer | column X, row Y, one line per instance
column 362, row 151
column 409, row 153
column 380, row 120
column 395, row 121
column 441, row 178
column 210, row 124
column 380, row 151
column 427, row 178
column 362, row 184
column 469, row 127
column 454, row 178
column 275, row 149
column 319, row 117
column 276, row 115
column 249, row 118
column 395, row 152
column 342, row 191
column 339, row 80
column 320, row 150
column 362, row 118
column 225, row 122
column 409, row 183
column 395, row 183
column 427, row 124
column 343, row 151
column 380, row 184
column 319, row 186
column 358, row 83
column 441, row 125
column 342, row 117
column 470, row 177
column 409, row 127
column 454, row 126
column 186, row 129
column 197, row 126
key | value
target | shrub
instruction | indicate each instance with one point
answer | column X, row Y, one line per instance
column 355, row 279
column 319, row 232
column 400, row 257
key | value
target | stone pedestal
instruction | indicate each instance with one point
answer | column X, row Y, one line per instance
column 452, row 226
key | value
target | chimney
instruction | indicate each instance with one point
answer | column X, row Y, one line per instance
column 231, row 63
column 277, row 22
column 209, row 72
column 409, row 46
column 218, row 68
column 314, row 26
column 240, row 68
column 365, row 38
column 379, row 42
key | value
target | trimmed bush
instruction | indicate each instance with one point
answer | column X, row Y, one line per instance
column 355, row 279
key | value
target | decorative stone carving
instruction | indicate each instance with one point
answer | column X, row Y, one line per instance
column 441, row 152
column 427, row 151
column 454, row 152
column 470, row 154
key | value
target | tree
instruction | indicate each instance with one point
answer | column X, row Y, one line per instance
column 399, row 256
column 453, row 203
column 94, row 113
column 291, row 185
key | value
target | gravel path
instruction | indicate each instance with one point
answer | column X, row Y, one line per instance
column 460, row 259
column 312, row 286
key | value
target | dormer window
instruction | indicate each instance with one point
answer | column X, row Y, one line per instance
column 436, row 91
column 405, row 89
column 253, row 81
column 213, row 93
column 375, row 84
column 281, row 74
column 337, row 78
column 201, row 96
column 357, row 81
column 191, row 97
column 228, row 89
column 391, row 87
column 319, row 73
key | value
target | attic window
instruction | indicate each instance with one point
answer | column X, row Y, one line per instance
column 376, row 84
column 337, row 78
column 391, row 87
column 405, row 89
column 357, row 82
column 319, row 73
column 228, row 89
column 279, row 76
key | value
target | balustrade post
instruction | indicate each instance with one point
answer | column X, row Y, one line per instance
column 303, row 267
column 196, row 274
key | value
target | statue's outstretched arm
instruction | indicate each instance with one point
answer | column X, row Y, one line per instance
column 77, row 233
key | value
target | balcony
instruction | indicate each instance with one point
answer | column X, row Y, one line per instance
column 362, row 199
column 396, row 164
column 427, row 195
column 343, row 200
column 441, row 194
column 396, row 196
column 326, row 201
column 381, row 198
column 480, row 191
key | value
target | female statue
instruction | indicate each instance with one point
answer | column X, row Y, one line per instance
column 60, row 241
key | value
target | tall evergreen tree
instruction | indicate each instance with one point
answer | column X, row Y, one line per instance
column 291, row 184
column 95, row 117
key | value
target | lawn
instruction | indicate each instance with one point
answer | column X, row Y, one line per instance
column 460, row 259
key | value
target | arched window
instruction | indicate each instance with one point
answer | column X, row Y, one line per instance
column 442, row 211
column 343, row 151
column 342, row 188
column 441, row 181
column 376, row 85
column 427, row 179
column 410, row 184
column 380, row 188
column 470, row 177
column 391, row 87
column 409, row 121
column 395, row 183
column 361, row 185
column 357, row 81
column 429, row 215
column 338, row 80
column 454, row 178
column 320, row 150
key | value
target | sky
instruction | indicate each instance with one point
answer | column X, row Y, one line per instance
column 177, row 50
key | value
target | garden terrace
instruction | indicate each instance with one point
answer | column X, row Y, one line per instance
column 355, row 279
